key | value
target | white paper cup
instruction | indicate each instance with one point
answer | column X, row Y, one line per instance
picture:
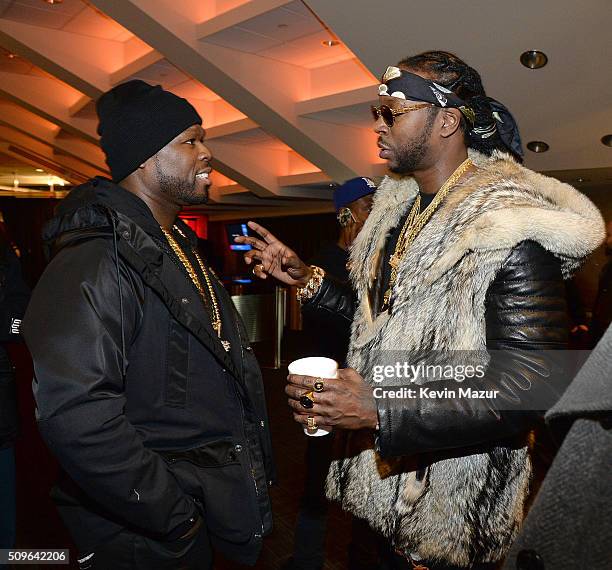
column 319, row 367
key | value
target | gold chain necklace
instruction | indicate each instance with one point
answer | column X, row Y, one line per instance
column 415, row 222
column 176, row 248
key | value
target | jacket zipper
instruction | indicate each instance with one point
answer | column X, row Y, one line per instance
column 252, row 470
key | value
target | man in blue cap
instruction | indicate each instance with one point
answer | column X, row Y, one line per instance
column 353, row 202
column 328, row 335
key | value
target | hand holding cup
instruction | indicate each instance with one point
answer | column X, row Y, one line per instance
column 346, row 402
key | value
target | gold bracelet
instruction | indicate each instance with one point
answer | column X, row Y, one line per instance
column 313, row 285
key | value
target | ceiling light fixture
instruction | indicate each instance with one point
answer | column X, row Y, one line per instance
column 39, row 170
column 537, row 146
column 11, row 55
column 54, row 1
column 607, row 140
column 333, row 41
column 534, row 59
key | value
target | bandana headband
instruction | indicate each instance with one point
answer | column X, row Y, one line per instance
column 405, row 85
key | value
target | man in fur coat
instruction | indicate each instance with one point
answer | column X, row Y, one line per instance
column 465, row 250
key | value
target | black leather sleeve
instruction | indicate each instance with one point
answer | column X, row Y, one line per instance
column 526, row 317
column 333, row 297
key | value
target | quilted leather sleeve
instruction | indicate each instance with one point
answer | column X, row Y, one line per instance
column 526, row 320
column 333, row 297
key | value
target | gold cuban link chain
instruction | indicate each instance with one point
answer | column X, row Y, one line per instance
column 176, row 248
column 415, row 222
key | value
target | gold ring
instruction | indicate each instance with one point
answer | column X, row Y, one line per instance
column 311, row 424
column 319, row 386
column 307, row 400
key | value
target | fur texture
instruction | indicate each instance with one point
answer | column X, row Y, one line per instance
column 466, row 508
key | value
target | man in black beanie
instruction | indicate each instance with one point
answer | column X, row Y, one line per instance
column 147, row 390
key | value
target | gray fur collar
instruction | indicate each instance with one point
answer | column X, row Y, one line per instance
column 530, row 206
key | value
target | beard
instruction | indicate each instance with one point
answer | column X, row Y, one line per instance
column 410, row 155
column 183, row 191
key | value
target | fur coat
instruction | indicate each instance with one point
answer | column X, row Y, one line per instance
column 466, row 507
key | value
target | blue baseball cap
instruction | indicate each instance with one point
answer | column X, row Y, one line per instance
column 352, row 190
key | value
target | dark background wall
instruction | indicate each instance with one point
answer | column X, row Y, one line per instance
column 24, row 218
column 588, row 276
column 305, row 234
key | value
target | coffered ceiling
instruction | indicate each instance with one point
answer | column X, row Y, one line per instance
column 287, row 114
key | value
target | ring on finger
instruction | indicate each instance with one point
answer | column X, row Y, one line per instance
column 311, row 424
column 307, row 400
column 319, row 385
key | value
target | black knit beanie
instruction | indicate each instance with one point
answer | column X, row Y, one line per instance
column 137, row 120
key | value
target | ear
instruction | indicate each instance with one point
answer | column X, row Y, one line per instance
column 451, row 120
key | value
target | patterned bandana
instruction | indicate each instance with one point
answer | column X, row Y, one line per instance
column 405, row 85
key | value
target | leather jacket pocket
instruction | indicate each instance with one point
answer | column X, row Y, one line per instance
column 217, row 474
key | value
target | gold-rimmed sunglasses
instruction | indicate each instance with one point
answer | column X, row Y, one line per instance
column 388, row 114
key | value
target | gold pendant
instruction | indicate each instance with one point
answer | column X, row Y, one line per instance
column 386, row 298
column 226, row 345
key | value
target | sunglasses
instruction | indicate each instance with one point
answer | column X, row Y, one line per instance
column 388, row 115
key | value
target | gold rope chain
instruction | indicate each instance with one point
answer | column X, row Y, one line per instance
column 216, row 316
column 416, row 221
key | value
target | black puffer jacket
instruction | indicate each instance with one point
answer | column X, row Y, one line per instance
column 525, row 312
column 135, row 394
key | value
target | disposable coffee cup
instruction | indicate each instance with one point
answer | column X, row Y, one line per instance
column 319, row 367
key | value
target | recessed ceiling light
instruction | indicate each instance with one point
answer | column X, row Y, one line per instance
column 330, row 43
column 579, row 179
column 537, row 146
column 534, row 59
column 54, row 1
column 39, row 170
column 607, row 140
column 11, row 55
